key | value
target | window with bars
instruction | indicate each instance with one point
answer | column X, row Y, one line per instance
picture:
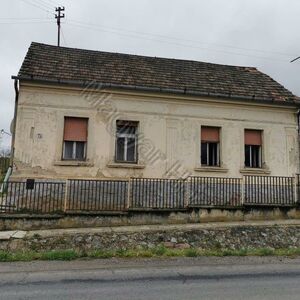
column 253, row 148
column 75, row 138
column 210, row 146
column 126, row 141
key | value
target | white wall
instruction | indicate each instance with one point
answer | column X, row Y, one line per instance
column 169, row 133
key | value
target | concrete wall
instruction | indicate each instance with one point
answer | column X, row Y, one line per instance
column 36, row 222
column 169, row 141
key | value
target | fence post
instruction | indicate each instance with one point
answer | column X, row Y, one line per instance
column 242, row 190
column 66, row 195
column 128, row 193
column 296, row 189
column 187, row 192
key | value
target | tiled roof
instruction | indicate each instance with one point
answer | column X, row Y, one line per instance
column 77, row 65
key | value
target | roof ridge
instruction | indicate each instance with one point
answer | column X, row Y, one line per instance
column 145, row 56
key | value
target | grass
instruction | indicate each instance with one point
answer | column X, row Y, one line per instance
column 160, row 251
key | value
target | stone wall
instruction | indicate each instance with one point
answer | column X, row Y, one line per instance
column 197, row 236
column 36, row 222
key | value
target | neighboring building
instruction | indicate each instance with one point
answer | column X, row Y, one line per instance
column 93, row 114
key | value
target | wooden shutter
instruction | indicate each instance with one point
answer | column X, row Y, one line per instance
column 75, row 129
column 253, row 137
column 210, row 134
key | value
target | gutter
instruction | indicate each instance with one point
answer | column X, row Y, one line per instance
column 100, row 85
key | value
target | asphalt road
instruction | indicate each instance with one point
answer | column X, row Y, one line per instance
column 199, row 278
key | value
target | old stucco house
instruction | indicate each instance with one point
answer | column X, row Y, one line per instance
column 91, row 114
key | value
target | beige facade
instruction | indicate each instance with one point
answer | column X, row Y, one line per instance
column 169, row 134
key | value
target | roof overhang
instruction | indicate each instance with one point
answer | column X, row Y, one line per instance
column 184, row 92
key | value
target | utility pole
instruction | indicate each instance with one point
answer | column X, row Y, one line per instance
column 59, row 16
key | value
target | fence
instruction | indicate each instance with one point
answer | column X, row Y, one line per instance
column 75, row 196
column 215, row 192
column 96, row 195
column 157, row 193
column 269, row 190
column 40, row 197
column 4, row 164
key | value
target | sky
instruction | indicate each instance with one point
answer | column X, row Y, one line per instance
column 258, row 33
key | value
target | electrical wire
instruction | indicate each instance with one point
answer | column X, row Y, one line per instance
column 172, row 43
column 38, row 6
column 179, row 39
column 63, row 37
column 26, row 22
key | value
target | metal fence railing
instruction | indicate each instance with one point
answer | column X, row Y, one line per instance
column 269, row 190
column 152, row 193
column 96, row 195
column 215, row 192
column 4, row 164
column 32, row 197
column 140, row 194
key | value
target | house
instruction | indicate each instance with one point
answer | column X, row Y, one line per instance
column 92, row 114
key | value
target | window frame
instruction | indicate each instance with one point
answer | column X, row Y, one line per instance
column 74, row 142
column 260, row 151
column 218, row 145
column 126, row 137
column 216, row 159
column 74, row 151
column 251, row 164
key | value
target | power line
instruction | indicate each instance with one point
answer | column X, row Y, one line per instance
column 174, row 43
column 47, row 4
column 295, row 59
column 63, row 37
column 26, row 22
column 38, row 6
column 178, row 39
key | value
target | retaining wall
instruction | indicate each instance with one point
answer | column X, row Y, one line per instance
column 36, row 222
column 207, row 237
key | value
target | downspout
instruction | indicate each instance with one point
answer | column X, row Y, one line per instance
column 12, row 152
column 298, row 123
column 3, row 186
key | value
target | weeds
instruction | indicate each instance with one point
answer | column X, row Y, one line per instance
column 160, row 251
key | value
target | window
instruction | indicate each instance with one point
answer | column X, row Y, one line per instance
column 210, row 146
column 126, row 142
column 75, row 138
column 253, row 145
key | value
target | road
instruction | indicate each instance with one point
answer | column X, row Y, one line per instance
column 180, row 278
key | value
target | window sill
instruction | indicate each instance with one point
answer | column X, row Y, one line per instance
column 125, row 166
column 211, row 169
column 73, row 163
column 255, row 171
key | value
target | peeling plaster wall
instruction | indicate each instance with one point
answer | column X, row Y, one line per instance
column 169, row 141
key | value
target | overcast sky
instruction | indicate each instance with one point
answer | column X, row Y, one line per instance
column 260, row 33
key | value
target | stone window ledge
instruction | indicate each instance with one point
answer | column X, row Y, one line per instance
column 73, row 163
column 255, row 171
column 211, row 169
column 125, row 166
